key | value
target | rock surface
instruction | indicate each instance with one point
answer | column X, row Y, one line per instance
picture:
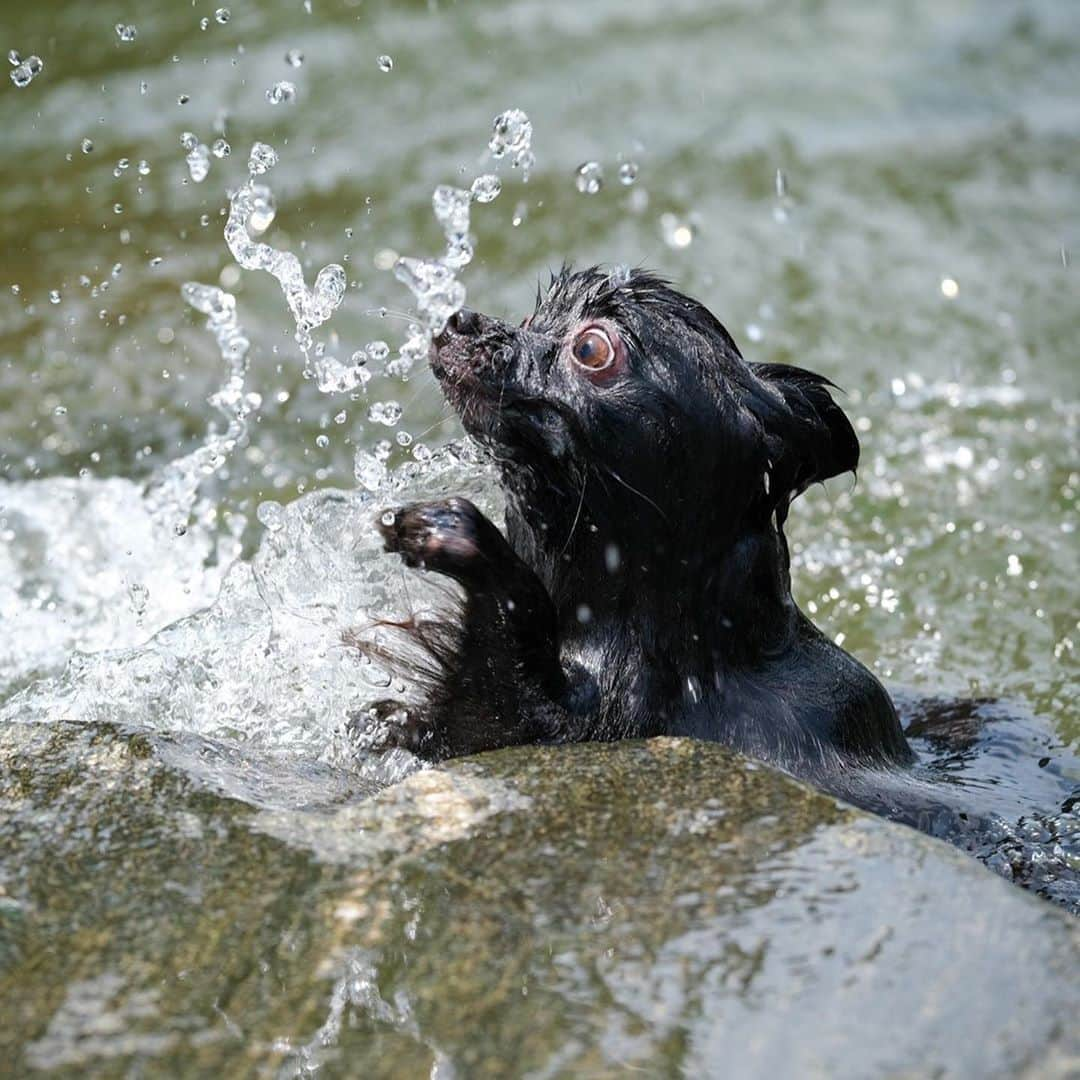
column 664, row 907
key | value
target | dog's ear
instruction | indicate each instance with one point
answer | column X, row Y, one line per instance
column 808, row 437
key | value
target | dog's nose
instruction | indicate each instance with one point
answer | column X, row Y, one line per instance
column 465, row 322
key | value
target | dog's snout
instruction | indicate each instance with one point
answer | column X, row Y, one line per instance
column 466, row 322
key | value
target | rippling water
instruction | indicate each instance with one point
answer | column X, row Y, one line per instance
column 888, row 197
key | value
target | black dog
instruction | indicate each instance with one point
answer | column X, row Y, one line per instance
column 643, row 587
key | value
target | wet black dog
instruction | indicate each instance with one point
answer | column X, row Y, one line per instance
column 643, row 585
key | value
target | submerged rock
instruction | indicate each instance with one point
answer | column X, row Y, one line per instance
column 666, row 907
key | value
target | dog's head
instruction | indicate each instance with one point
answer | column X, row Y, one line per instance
column 619, row 383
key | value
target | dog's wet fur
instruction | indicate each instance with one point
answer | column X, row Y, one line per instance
column 643, row 584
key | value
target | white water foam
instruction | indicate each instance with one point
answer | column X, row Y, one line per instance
column 250, row 652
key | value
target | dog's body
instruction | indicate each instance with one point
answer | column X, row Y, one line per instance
column 642, row 587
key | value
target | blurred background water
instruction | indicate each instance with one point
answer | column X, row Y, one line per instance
column 885, row 193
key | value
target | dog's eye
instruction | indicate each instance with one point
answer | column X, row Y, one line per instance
column 593, row 349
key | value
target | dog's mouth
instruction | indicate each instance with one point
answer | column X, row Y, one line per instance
column 469, row 358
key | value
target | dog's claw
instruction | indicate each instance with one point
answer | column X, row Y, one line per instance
column 442, row 536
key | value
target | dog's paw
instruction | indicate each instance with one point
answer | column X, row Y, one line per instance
column 386, row 725
column 444, row 536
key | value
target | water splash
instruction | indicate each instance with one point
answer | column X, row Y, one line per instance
column 24, row 71
column 282, row 92
column 511, row 133
column 198, row 156
column 589, row 179
column 309, row 308
column 173, row 491
column 434, row 282
column 264, row 665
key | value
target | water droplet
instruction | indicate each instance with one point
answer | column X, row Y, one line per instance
column 198, row 162
column 221, row 149
column 271, row 515
column 125, row 32
column 612, row 558
column 263, row 209
column 183, row 99
column 54, row 296
column 204, row 23
column 60, row 410
column 589, row 178
column 144, row 168
column 378, row 351
column 263, row 158
column 86, row 146
column 24, row 73
column 628, row 173
column 950, row 288
column 677, row 233
column 118, row 208
column 385, row 412
column 139, row 596
column 14, row 59
column 486, row 188
column 322, row 441
column 521, row 211
column 144, row 87
column 754, row 332
column 386, row 63
column 422, row 453
column 403, row 438
column 384, row 259
column 281, row 93
column 370, row 472
column 451, row 206
column 222, row 15
column 438, row 293
column 294, row 58
column 459, row 251
column 511, row 132
column 342, row 416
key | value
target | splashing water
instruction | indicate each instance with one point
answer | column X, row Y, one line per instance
column 512, row 134
column 282, row 92
column 173, row 492
column 309, row 308
column 589, row 179
column 198, row 157
column 24, row 71
column 433, row 282
column 170, row 629
column 266, row 663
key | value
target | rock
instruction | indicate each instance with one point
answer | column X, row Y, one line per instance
column 665, row 907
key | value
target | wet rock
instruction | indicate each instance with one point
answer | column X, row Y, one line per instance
column 666, row 907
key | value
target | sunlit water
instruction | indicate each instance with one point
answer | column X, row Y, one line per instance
column 908, row 229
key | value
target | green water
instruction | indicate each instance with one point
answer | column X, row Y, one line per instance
column 919, row 141
column 230, row 904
